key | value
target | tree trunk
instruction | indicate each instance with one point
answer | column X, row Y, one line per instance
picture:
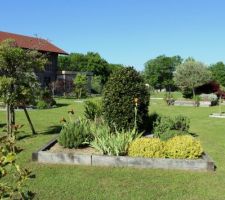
column 220, row 102
column 29, row 120
column 8, row 119
column 194, row 96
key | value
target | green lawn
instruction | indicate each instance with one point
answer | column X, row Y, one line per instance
column 79, row 182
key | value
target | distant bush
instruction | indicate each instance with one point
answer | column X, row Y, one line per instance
column 183, row 147
column 75, row 134
column 93, row 109
column 42, row 105
column 123, row 86
column 147, row 147
column 45, row 99
column 209, row 97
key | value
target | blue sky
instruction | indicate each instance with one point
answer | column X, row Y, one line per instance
column 128, row 32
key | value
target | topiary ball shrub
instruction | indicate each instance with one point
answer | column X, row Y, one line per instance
column 147, row 147
column 123, row 86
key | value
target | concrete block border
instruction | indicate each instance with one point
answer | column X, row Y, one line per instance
column 192, row 103
column 217, row 115
column 43, row 156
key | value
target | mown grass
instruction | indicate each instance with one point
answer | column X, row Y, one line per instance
column 82, row 182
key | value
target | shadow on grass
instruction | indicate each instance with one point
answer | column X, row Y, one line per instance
column 52, row 130
column 2, row 125
column 193, row 134
column 59, row 105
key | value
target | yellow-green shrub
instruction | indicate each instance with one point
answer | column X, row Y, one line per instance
column 183, row 147
column 147, row 147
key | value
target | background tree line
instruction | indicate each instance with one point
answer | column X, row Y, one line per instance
column 88, row 62
column 164, row 72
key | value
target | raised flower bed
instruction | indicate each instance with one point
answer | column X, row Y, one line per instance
column 44, row 155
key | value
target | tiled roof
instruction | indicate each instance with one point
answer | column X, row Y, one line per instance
column 28, row 42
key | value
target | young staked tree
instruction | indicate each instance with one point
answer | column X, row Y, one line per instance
column 18, row 81
column 80, row 82
column 191, row 74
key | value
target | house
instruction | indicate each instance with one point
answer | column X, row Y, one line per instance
column 43, row 46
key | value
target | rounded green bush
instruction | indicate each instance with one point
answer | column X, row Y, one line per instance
column 123, row 86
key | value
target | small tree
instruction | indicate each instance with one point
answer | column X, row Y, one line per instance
column 80, row 83
column 191, row 74
column 18, row 81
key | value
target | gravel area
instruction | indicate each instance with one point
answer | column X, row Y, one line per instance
column 81, row 151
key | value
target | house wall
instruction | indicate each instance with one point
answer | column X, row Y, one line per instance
column 49, row 74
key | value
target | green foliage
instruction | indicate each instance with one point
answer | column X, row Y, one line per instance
column 159, row 71
column 147, row 147
column 75, row 134
column 166, row 127
column 218, row 72
column 93, row 109
column 181, row 147
column 171, row 133
column 112, row 143
column 42, row 105
column 80, row 83
column 12, row 177
column 181, row 123
column 191, row 74
column 86, row 62
column 162, row 125
column 19, row 83
column 123, row 86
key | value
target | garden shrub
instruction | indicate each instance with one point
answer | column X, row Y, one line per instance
column 171, row 133
column 123, row 86
column 93, row 109
column 42, row 105
column 209, row 97
column 109, row 143
column 147, row 147
column 45, row 99
column 75, row 134
column 181, row 123
column 183, row 147
column 167, row 127
column 180, row 147
column 162, row 125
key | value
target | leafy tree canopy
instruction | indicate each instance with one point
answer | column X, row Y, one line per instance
column 159, row 71
column 218, row 72
column 87, row 62
column 191, row 74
